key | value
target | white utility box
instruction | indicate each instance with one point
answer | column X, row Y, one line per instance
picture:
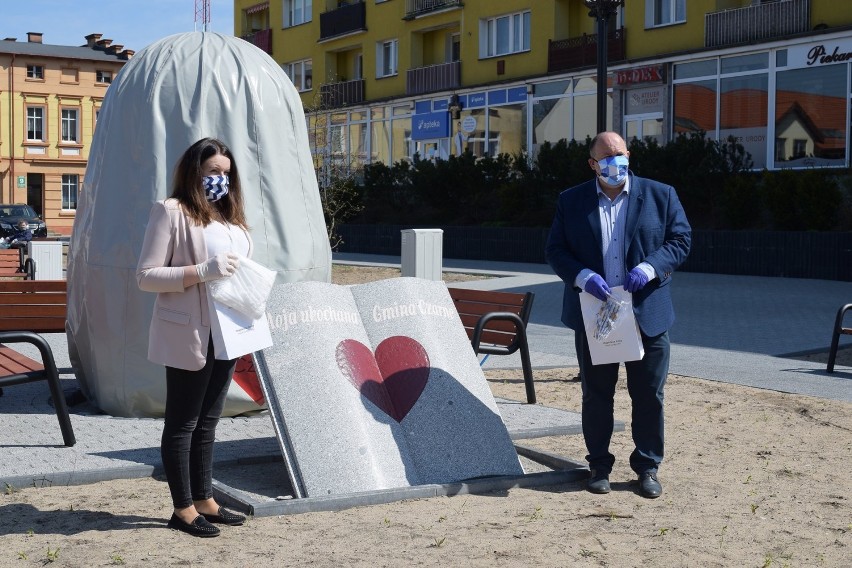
column 47, row 256
column 422, row 253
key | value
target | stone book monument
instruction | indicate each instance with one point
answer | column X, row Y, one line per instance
column 376, row 386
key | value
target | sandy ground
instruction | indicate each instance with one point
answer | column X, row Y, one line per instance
column 751, row 478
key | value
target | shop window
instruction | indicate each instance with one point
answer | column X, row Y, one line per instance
column 811, row 116
column 744, row 114
column 695, row 107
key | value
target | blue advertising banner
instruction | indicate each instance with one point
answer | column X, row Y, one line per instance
column 497, row 97
column 431, row 125
column 422, row 107
column 517, row 95
column 476, row 100
column 440, row 105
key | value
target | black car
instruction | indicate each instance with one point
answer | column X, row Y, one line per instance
column 11, row 214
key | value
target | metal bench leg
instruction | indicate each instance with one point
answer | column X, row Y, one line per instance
column 56, row 392
column 835, row 337
column 525, row 363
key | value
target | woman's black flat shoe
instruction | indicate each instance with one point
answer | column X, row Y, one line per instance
column 225, row 517
column 199, row 527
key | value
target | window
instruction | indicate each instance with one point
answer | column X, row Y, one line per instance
column 386, row 58
column 35, row 124
column 297, row 12
column 69, row 126
column 103, row 77
column 35, row 72
column 70, row 187
column 504, row 34
column 664, row 12
column 810, row 109
column 301, row 73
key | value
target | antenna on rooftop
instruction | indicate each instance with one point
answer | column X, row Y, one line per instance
column 202, row 15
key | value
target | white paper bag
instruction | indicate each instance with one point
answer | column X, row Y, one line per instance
column 236, row 334
column 624, row 342
column 246, row 290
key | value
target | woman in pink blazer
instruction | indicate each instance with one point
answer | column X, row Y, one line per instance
column 193, row 237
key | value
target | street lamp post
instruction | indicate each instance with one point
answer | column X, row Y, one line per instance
column 602, row 10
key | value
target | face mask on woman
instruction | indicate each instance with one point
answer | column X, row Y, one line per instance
column 215, row 187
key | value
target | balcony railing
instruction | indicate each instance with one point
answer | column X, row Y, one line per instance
column 349, row 17
column 414, row 8
column 582, row 51
column 261, row 39
column 333, row 95
column 433, row 78
column 758, row 22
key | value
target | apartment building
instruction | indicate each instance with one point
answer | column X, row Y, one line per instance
column 383, row 80
column 50, row 96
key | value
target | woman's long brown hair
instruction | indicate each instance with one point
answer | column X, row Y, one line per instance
column 188, row 189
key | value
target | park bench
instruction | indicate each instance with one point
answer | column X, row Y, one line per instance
column 496, row 324
column 28, row 308
column 835, row 336
column 14, row 264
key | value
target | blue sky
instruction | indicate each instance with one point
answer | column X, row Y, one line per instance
column 131, row 23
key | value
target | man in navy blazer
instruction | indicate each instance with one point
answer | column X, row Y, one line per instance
column 620, row 230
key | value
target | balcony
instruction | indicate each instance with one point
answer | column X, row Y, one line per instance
column 347, row 18
column 261, row 39
column 415, row 8
column 433, row 78
column 343, row 93
column 582, row 51
column 757, row 23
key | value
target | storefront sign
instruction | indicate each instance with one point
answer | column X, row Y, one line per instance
column 497, row 97
column 476, row 100
column 642, row 101
column 22, row 181
column 816, row 55
column 649, row 74
column 429, row 126
column 517, row 95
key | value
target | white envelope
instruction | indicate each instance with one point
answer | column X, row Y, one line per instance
column 624, row 343
column 236, row 334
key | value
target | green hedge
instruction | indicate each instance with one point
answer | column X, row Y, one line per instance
column 713, row 179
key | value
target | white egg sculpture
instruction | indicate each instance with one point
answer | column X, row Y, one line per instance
column 169, row 95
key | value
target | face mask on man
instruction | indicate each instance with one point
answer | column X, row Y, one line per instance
column 614, row 169
column 215, row 187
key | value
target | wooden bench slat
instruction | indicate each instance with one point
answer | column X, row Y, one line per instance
column 15, row 299
column 487, row 296
column 33, row 311
column 470, row 321
column 12, row 362
column 38, row 325
column 33, row 286
column 482, row 309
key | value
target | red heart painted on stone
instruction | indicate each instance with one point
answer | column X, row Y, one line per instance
column 393, row 379
column 246, row 377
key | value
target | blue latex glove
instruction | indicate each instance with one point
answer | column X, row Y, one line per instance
column 636, row 280
column 596, row 286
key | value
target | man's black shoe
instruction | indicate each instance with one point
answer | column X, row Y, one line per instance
column 598, row 483
column 649, row 487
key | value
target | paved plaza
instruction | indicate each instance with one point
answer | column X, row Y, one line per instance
column 734, row 329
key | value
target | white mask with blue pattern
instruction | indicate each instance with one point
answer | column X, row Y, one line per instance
column 614, row 169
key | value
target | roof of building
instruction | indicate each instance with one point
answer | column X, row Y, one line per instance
column 96, row 52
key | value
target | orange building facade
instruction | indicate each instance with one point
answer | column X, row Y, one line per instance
column 50, row 96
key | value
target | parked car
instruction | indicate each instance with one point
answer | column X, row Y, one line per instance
column 11, row 214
